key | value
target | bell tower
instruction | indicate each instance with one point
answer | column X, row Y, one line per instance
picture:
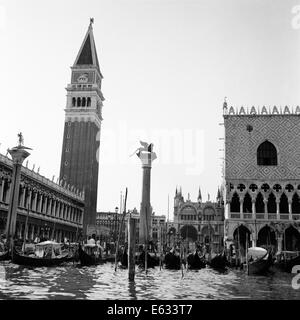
column 83, row 116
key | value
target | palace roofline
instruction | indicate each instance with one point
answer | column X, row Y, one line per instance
column 261, row 111
column 67, row 190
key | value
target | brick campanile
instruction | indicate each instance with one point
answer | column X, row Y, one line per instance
column 80, row 151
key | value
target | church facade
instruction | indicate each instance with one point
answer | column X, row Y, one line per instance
column 199, row 222
column 262, row 177
column 83, row 116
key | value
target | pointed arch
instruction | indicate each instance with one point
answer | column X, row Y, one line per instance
column 296, row 204
column 240, row 234
column 291, row 239
column 88, row 102
column 271, row 203
column 266, row 154
column 247, row 204
column 259, row 203
column 266, row 237
column 283, row 204
column 235, row 203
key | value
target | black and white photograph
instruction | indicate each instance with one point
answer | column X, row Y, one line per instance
column 150, row 153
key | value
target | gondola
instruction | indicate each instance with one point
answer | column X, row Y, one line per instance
column 36, row 261
column 172, row 261
column 260, row 265
column 151, row 261
column 218, row 262
column 287, row 265
column 195, row 262
column 4, row 255
column 90, row 255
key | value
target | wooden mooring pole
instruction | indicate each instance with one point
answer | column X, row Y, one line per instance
column 131, row 248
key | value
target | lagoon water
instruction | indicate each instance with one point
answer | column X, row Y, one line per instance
column 102, row 282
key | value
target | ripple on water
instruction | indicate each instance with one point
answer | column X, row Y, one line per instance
column 102, row 282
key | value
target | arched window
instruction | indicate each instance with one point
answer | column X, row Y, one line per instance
column 259, row 204
column 73, row 102
column 296, row 204
column 78, row 102
column 235, row 203
column 247, row 204
column 88, row 101
column 83, row 101
column 271, row 203
column 283, row 205
column 266, row 154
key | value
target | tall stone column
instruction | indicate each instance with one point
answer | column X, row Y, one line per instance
column 266, row 209
column 241, row 208
column 146, row 156
column 277, row 209
column 253, row 210
column 18, row 154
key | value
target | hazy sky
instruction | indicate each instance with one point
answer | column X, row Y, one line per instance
column 167, row 67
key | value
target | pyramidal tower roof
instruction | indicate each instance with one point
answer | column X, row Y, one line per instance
column 87, row 55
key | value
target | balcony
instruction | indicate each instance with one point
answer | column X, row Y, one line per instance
column 265, row 216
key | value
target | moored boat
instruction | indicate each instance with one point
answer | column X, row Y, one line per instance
column 195, row 262
column 47, row 254
column 90, row 254
column 259, row 261
column 218, row 261
column 172, row 261
column 286, row 260
column 4, row 255
column 152, row 261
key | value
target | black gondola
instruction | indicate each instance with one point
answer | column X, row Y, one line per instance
column 151, row 261
column 172, row 261
column 4, row 255
column 261, row 265
column 195, row 262
column 35, row 261
column 218, row 262
column 287, row 264
column 90, row 255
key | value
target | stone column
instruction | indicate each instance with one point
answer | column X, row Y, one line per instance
column 54, row 208
column 45, row 205
column 266, row 208
column 29, row 200
column 290, row 210
column 49, row 211
column 253, row 210
column 277, row 209
column 22, row 202
column 241, row 208
column 146, row 156
column 34, row 201
column 40, row 204
column 279, row 242
column 18, row 154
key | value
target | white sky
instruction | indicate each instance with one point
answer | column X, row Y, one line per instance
column 167, row 66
